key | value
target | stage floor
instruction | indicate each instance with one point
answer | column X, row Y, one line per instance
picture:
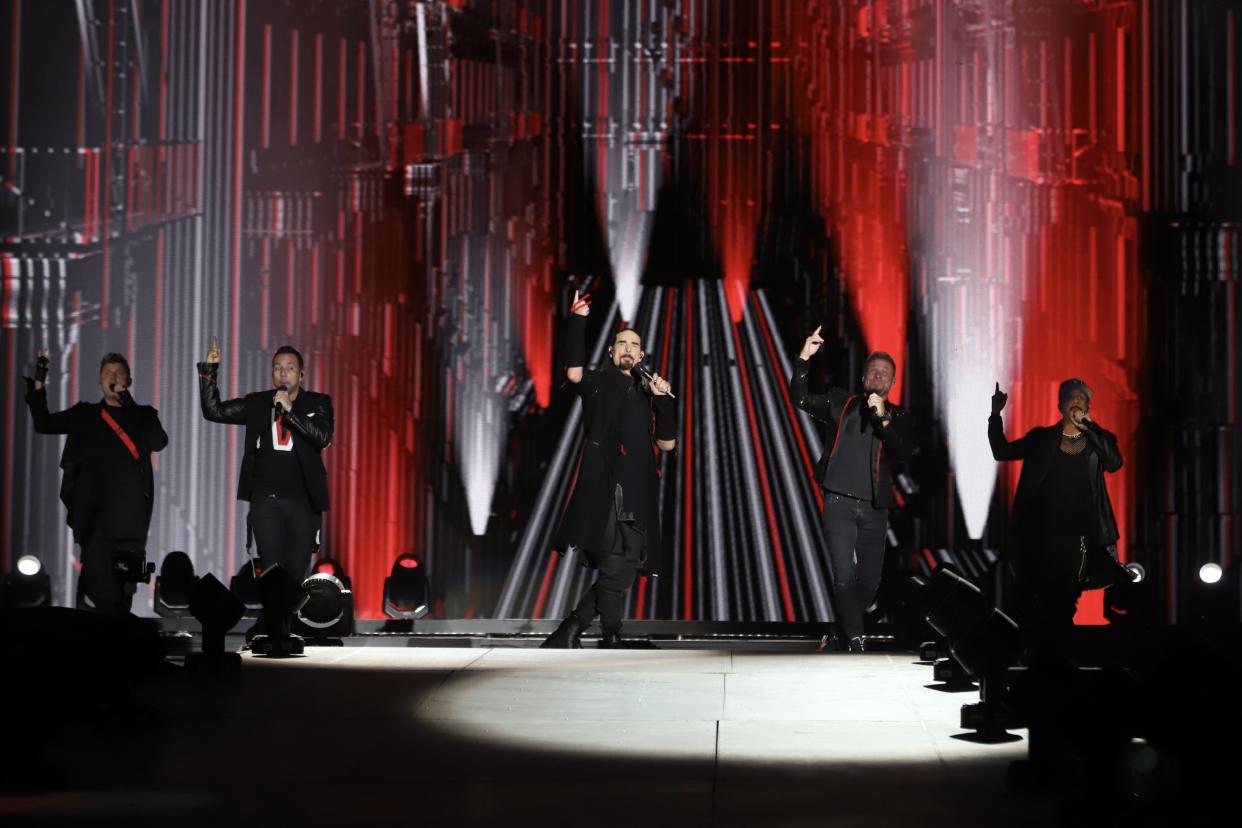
column 441, row 736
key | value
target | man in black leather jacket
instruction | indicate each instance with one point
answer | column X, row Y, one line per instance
column 1062, row 528
column 866, row 434
column 282, row 472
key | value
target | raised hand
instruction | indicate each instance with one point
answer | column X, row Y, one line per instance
column 213, row 352
column 42, row 362
column 998, row 400
column 812, row 344
column 581, row 306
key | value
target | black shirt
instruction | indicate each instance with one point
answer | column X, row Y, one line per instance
column 849, row 468
column 119, row 478
column 1064, row 497
column 276, row 470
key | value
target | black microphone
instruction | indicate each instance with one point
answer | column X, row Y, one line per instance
column 645, row 373
column 276, row 403
column 123, row 395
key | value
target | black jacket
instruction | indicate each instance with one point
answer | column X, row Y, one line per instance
column 310, row 421
column 84, row 476
column 607, row 395
column 1037, row 449
column 894, row 442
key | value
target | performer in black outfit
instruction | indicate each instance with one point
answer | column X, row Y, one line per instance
column 107, row 486
column 282, row 472
column 613, row 513
column 1062, row 528
column 866, row 435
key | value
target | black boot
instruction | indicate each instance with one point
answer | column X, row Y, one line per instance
column 858, row 644
column 566, row 637
column 611, row 640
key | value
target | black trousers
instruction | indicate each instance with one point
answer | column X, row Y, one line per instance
column 98, row 581
column 286, row 532
column 606, row 597
column 855, row 532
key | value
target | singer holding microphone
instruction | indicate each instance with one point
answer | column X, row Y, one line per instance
column 613, row 513
column 866, row 435
column 107, row 486
column 1062, row 528
column 282, row 473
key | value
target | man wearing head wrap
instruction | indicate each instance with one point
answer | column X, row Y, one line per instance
column 1062, row 528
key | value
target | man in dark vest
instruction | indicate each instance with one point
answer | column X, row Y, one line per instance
column 107, row 485
column 866, row 435
column 1062, row 528
column 282, row 472
column 613, row 514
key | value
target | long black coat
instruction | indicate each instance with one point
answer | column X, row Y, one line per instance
column 85, row 475
column 1037, row 449
column 310, row 421
column 607, row 395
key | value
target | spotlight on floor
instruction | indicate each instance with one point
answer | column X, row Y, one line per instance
column 406, row 591
column 28, row 585
column 217, row 610
column 328, row 614
column 1131, row 605
column 173, row 586
column 1137, row 573
column 1210, row 573
column 281, row 596
column 333, row 567
column 982, row 639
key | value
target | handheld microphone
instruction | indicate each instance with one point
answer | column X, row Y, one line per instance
column 645, row 373
column 277, row 404
column 123, row 394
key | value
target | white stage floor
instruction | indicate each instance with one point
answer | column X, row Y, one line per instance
column 440, row 736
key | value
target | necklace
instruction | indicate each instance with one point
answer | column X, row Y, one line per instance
column 1071, row 436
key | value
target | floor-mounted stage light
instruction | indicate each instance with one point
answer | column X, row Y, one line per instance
column 333, row 567
column 281, row 597
column 242, row 585
column 217, row 610
column 406, row 591
column 28, row 585
column 1134, row 604
column 1213, row 598
column 173, row 586
column 328, row 614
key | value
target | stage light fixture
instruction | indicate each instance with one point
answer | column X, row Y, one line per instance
column 281, row 596
column 173, row 585
column 328, row 613
column 333, row 567
column 242, row 585
column 1131, row 604
column 28, row 585
column 217, row 609
column 1210, row 573
column 1137, row 573
column 406, row 591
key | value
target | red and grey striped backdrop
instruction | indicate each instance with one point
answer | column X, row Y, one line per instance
column 410, row 191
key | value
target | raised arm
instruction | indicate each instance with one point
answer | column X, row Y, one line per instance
column 230, row 412
column 1003, row 450
column 575, row 339
column 816, row 405
column 45, row 422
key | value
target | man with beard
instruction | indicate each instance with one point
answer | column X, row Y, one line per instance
column 108, row 486
column 867, row 434
column 1062, row 528
column 613, row 513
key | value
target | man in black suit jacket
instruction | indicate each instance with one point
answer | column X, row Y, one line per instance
column 107, row 485
column 282, row 473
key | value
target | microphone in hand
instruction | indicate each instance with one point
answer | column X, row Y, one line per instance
column 645, row 373
column 276, row 401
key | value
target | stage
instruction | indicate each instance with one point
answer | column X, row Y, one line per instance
column 360, row 735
